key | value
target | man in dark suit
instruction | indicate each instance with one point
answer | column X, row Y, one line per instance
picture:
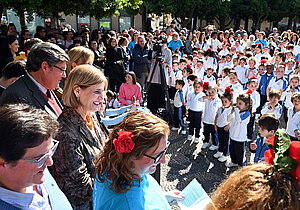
column 11, row 72
column 46, row 65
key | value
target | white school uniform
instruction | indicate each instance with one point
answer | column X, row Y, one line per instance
column 222, row 116
column 293, row 122
column 195, row 101
column 237, row 90
column 241, row 73
column 286, row 97
column 277, row 112
column 221, row 67
column 251, row 74
column 200, row 73
column 288, row 73
column 278, row 84
column 238, row 127
column 255, row 100
column 212, row 80
column 210, row 111
column 174, row 75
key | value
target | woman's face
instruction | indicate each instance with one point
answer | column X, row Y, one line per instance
column 113, row 43
column 94, row 45
column 146, row 165
column 128, row 79
column 125, row 43
column 91, row 97
column 190, row 36
column 14, row 47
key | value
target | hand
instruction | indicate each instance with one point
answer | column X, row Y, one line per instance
column 296, row 133
column 186, row 113
column 135, row 106
column 175, row 194
column 216, row 128
column 226, row 128
column 253, row 146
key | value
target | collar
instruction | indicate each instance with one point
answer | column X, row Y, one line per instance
column 278, row 79
column 41, row 87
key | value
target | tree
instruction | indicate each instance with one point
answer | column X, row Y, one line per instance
column 95, row 8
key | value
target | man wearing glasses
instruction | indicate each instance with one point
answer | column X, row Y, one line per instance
column 46, row 65
column 26, row 151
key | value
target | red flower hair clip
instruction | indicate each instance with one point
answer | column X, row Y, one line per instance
column 297, row 63
column 205, row 85
column 263, row 61
column 188, row 66
column 124, row 143
column 284, row 154
column 282, row 63
column 253, row 77
column 228, row 90
column 249, row 92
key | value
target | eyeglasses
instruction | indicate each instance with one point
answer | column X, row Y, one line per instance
column 63, row 70
column 159, row 156
column 42, row 160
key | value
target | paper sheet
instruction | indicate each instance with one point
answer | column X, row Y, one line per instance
column 195, row 196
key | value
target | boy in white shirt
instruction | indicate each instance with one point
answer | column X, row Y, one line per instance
column 209, row 77
column 273, row 106
column 179, row 107
column 174, row 74
column 235, row 85
column 278, row 82
column 241, row 71
column 293, row 124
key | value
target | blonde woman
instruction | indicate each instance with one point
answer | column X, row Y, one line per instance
column 80, row 135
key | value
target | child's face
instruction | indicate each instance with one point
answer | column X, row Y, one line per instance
column 209, row 72
column 190, row 82
column 225, row 102
column 296, row 103
column 251, row 63
column 232, row 78
column 294, row 83
column 184, row 73
column 242, row 105
column 280, row 72
column 199, row 65
column 290, row 65
column 235, row 62
column 212, row 93
column 253, row 86
column 261, row 70
column 175, row 66
column 228, row 58
column 194, row 61
column 274, row 100
column 197, row 88
column 265, row 133
column 242, row 62
column 182, row 65
column 178, row 86
column 258, row 50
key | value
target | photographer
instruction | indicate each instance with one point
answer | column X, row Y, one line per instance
column 141, row 60
column 155, row 90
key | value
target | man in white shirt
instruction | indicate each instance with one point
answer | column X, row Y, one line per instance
column 26, row 151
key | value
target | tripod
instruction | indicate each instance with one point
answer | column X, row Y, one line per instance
column 167, row 114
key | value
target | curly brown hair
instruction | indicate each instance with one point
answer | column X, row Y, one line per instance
column 148, row 130
column 257, row 187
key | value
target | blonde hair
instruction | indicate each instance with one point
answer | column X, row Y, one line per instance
column 148, row 130
column 84, row 76
column 256, row 187
column 79, row 55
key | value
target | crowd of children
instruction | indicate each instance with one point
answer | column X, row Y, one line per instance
column 227, row 101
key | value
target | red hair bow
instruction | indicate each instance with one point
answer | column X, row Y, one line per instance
column 228, row 90
column 249, row 92
column 283, row 64
column 253, row 77
column 189, row 66
column 297, row 63
column 205, row 85
column 263, row 61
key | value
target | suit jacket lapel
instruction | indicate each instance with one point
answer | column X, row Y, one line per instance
column 39, row 97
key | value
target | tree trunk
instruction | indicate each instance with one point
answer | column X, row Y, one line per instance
column 222, row 20
column 22, row 21
column 144, row 17
column 290, row 21
column 246, row 24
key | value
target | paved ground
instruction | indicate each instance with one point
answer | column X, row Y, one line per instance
column 186, row 161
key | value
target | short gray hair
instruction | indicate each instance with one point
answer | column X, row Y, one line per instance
column 45, row 51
